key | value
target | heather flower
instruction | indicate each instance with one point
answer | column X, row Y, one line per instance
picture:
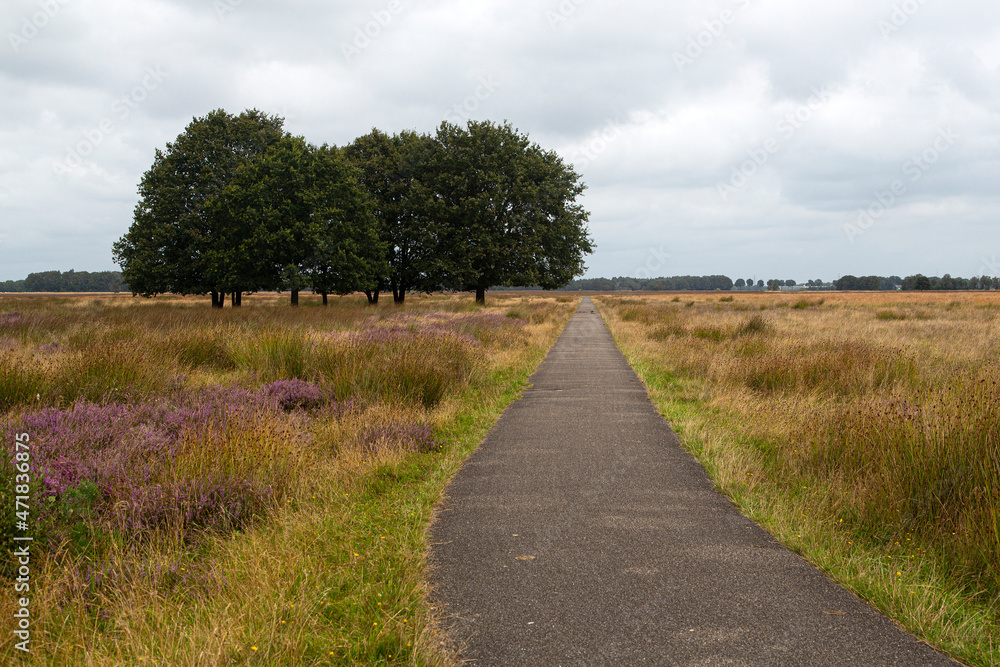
column 127, row 450
column 294, row 393
column 10, row 318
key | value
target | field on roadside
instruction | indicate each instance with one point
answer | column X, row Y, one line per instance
column 246, row 486
column 861, row 429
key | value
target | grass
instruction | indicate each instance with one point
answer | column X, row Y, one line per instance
column 861, row 430
column 250, row 486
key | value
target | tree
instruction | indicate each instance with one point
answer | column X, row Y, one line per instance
column 174, row 242
column 789, row 283
column 46, row 281
column 347, row 253
column 501, row 211
column 389, row 167
column 760, row 283
column 922, row 283
column 740, row 283
column 298, row 217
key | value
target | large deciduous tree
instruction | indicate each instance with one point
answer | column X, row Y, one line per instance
column 175, row 240
column 501, row 211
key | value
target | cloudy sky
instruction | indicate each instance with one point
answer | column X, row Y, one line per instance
column 769, row 138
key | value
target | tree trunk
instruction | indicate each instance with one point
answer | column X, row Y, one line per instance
column 295, row 297
column 481, row 296
column 237, row 299
column 399, row 297
column 217, row 299
column 376, row 293
column 325, row 302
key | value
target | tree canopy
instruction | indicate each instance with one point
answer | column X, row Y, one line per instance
column 175, row 239
column 390, row 167
column 502, row 210
column 297, row 217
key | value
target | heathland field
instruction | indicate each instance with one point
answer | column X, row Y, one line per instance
column 246, row 486
column 861, row 429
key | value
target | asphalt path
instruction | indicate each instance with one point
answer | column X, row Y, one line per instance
column 580, row 533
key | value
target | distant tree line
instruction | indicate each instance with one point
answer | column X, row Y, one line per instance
column 916, row 282
column 674, row 284
column 70, row 281
column 712, row 283
column 236, row 205
column 946, row 282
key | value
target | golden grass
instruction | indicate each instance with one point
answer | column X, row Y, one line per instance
column 861, row 429
column 335, row 573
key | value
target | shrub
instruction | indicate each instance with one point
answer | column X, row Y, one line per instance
column 294, row 393
column 753, row 325
column 215, row 458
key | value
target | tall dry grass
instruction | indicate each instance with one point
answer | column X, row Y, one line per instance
column 877, row 415
column 251, row 484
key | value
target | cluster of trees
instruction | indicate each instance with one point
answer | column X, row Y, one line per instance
column 70, row 281
column 946, row 282
column 237, row 205
column 674, row 284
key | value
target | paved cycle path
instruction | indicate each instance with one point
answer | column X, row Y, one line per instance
column 580, row 533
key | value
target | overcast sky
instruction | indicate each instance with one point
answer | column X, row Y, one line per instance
column 768, row 138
